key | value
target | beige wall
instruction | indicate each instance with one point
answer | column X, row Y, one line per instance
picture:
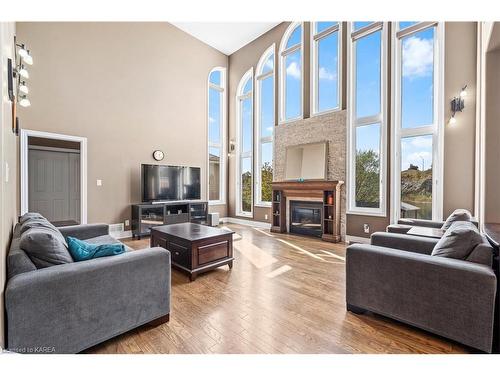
column 492, row 150
column 459, row 140
column 8, row 160
column 239, row 63
column 130, row 88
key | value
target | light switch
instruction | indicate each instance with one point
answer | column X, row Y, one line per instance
column 99, row 182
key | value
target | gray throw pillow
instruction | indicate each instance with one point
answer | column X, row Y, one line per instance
column 457, row 215
column 44, row 247
column 458, row 241
column 30, row 215
column 41, row 223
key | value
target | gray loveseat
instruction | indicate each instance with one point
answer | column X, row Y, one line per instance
column 396, row 276
column 70, row 307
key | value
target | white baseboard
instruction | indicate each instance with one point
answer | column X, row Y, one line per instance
column 356, row 239
column 250, row 223
column 121, row 234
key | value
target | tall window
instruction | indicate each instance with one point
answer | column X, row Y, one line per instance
column 325, row 52
column 244, row 112
column 290, row 93
column 418, row 120
column 216, row 135
column 264, row 90
column 367, row 118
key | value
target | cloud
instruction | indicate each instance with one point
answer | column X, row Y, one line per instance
column 418, row 57
column 422, row 142
column 270, row 128
column 211, row 120
column 293, row 70
column 326, row 74
column 270, row 63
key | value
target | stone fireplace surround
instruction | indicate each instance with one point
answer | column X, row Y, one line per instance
column 329, row 127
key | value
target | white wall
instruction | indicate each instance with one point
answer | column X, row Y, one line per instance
column 8, row 164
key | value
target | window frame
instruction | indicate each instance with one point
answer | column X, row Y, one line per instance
column 315, row 38
column 436, row 129
column 259, row 141
column 223, row 136
column 239, row 100
column 283, row 52
column 380, row 118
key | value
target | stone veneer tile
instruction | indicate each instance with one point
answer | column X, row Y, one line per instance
column 330, row 127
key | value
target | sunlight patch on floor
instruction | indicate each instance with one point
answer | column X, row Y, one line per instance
column 263, row 232
column 329, row 253
column 258, row 257
column 236, row 236
column 279, row 271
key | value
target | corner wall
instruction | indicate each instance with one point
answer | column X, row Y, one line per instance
column 130, row 88
column 8, row 165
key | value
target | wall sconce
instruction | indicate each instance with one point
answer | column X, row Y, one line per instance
column 232, row 147
column 17, row 76
column 458, row 104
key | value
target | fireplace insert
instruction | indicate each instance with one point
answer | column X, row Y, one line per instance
column 305, row 218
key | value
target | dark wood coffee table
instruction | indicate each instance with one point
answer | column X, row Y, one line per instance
column 195, row 248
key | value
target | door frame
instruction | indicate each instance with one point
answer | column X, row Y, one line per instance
column 25, row 134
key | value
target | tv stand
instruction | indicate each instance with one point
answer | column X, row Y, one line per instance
column 148, row 215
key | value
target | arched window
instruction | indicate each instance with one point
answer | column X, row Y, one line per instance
column 325, row 66
column 291, row 75
column 264, row 124
column 244, row 118
column 216, row 135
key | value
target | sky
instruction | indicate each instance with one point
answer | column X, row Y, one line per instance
column 416, row 84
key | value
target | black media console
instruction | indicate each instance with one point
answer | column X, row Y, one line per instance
column 147, row 215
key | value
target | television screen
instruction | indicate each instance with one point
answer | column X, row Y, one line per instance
column 191, row 183
column 169, row 183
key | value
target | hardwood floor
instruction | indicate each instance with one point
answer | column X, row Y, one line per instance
column 285, row 294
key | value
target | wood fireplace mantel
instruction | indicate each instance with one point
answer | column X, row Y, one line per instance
column 327, row 191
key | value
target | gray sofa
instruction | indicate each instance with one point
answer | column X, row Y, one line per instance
column 396, row 276
column 70, row 307
column 404, row 225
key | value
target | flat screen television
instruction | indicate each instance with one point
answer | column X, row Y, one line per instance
column 169, row 183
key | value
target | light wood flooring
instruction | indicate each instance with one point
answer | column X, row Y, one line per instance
column 285, row 294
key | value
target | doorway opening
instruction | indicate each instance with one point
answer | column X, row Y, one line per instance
column 53, row 177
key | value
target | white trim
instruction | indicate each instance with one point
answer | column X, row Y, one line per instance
column 357, row 239
column 223, row 137
column 121, row 234
column 283, row 52
column 250, row 223
column 314, row 65
column 25, row 134
column 380, row 118
column 258, row 140
column 436, row 129
column 240, row 96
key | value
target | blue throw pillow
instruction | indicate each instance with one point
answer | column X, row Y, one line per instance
column 81, row 250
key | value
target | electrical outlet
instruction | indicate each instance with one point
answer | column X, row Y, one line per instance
column 127, row 223
column 99, row 182
column 366, row 228
column 265, row 217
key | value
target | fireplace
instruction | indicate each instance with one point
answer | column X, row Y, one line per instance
column 305, row 218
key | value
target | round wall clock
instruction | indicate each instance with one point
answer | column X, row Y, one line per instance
column 158, row 155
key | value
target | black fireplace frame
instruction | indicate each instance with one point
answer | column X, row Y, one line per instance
column 317, row 205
